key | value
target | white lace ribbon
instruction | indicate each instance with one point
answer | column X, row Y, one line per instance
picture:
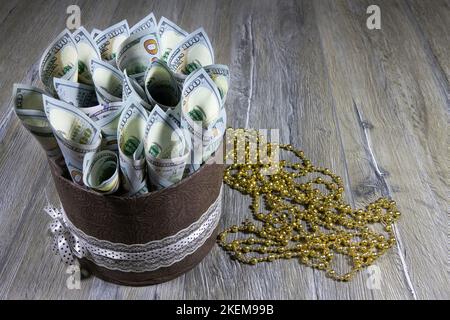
column 72, row 243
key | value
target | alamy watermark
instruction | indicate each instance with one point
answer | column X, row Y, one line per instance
column 374, row 20
column 74, row 280
column 373, row 281
column 74, row 19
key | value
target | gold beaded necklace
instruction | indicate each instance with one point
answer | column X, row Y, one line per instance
column 302, row 222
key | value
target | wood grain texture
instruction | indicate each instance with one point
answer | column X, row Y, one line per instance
column 370, row 104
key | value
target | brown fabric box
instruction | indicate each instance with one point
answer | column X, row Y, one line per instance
column 154, row 216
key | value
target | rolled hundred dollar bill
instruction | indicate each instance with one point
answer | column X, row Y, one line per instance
column 161, row 87
column 169, row 36
column 87, row 50
column 201, row 103
column 133, row 91
column 165, row 149
column 77, row 94
column 130, row 138
column 107, row 82
column 215, row 136
column 75, row 133
column 106, row 117
column 192, row 53
column 60, row 60
column 95, row 32
column 109, row 40
column 202, row 149
column 29, row 108
column 202, row 116
column 175, row 115
column 137, row 52
column 101, row 171
column 101, row 111
column 145, row 23
column 220, row 74
column 108, row 125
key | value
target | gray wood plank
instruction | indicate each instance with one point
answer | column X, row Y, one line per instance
column 432, row 21
column 387, row 97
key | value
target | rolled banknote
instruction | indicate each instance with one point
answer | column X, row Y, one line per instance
column 145, row 23
column 193, row 52
column 165, row 149
column 75, row 133
column 60, row 60
column 141, row 190
column 138, row 78
column 101, row 171
column 95, row 32
column 133, row 91
column 101, row 111
column 109, row 40
column 220, row 74
column 175, row 115
column 169, row 36
column 201, row 150
column 87, row 50
column 201, row 103
column 29, row 108
column 107, row 81
column 108, row 125
column 77, row 94
column 161, row 87
column 215, row 136
column 130, row 138
column 137, row 52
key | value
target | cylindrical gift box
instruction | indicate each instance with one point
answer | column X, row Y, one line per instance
column 145, row 240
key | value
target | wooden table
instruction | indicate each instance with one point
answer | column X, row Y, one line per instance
column 370, row 104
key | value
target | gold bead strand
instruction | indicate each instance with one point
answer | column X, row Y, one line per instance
column 301, row 221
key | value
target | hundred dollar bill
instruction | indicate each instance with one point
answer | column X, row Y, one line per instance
column 200, row 151
column 75, row 133
column 29, row 108
column 133, row 91
column 107, row 82
column 201, row 105
column 165, row 149
column 101, row 171
column 95, row 32
column 87, row 50
column 220, row 74
column 60, row 60
column 130, row 137
column 101, row 111
column 169, row 36
column 138, row 78
column 175, row 114
column 109, row 40
column 77, row 94
column 215, row 134
column 161, row 87
column 108, row 125
column 192, row 53
column 147, row 22
column 137, row 52
column 140, row 190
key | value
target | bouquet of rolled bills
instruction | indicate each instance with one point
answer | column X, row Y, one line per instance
column 128, row 110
